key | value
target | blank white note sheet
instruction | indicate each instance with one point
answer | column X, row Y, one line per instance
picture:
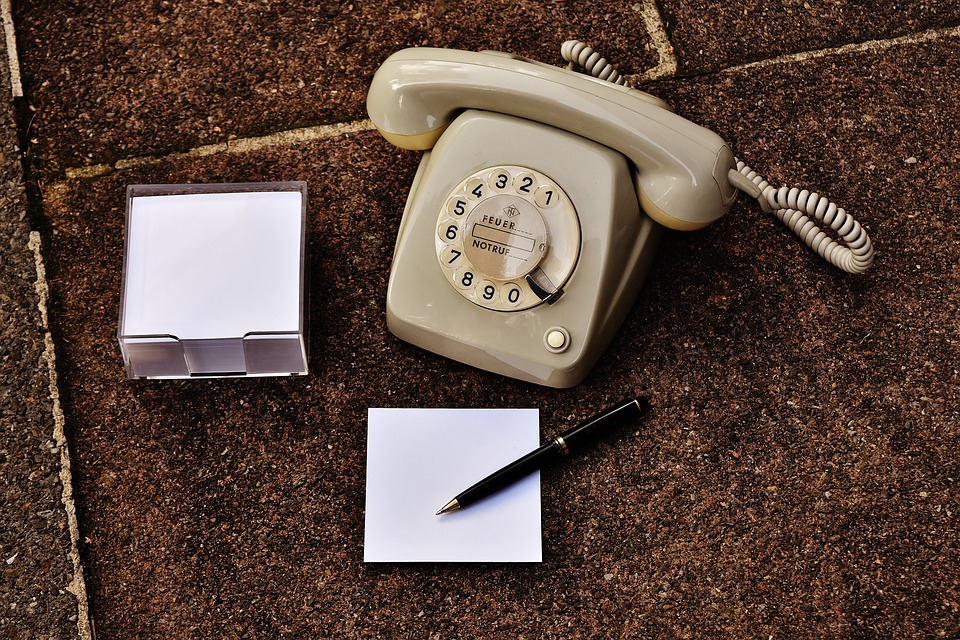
column 418, row 459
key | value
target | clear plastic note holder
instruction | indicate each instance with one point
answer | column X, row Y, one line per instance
column 213, row 280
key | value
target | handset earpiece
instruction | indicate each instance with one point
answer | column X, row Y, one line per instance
column 682, row 167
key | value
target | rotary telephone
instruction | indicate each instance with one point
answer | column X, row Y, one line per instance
column 540, row 200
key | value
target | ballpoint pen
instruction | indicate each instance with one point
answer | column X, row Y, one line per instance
column 622, row 414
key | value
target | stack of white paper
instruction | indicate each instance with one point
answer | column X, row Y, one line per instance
column 213, row 281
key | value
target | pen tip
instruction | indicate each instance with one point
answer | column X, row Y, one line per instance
column 453, row 505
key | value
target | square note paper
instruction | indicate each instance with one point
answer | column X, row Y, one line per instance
column 418, row 459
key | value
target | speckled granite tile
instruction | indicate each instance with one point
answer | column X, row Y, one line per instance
column 41, row 591
column 715, row 34
column 797, row 476
column 147, row 77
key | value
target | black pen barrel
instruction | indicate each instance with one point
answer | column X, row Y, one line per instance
column 511, row 473
column 620, row 415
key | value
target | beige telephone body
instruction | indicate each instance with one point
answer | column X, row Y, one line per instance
column 529, row 227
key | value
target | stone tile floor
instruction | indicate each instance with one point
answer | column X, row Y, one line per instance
column 797, row 478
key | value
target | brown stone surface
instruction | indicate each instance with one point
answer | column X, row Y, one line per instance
column 137, row 78
column 712, row 34
column 36, row 568
column 797, row 477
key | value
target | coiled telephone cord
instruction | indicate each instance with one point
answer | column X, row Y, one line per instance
column 579, row 53
column 795, row 208
column 792, row 206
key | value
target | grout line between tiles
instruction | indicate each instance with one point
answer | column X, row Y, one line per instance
column 6, row 14
column 666, row 68
column 77, row 585
column 239, row 145
column 657, row 31
column 858, row 47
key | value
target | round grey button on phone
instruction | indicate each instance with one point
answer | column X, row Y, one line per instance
column 556, row 339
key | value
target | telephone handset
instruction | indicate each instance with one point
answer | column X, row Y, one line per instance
column 529, row 227
column 681, row 167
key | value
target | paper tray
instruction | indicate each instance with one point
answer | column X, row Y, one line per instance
column 213, row 280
